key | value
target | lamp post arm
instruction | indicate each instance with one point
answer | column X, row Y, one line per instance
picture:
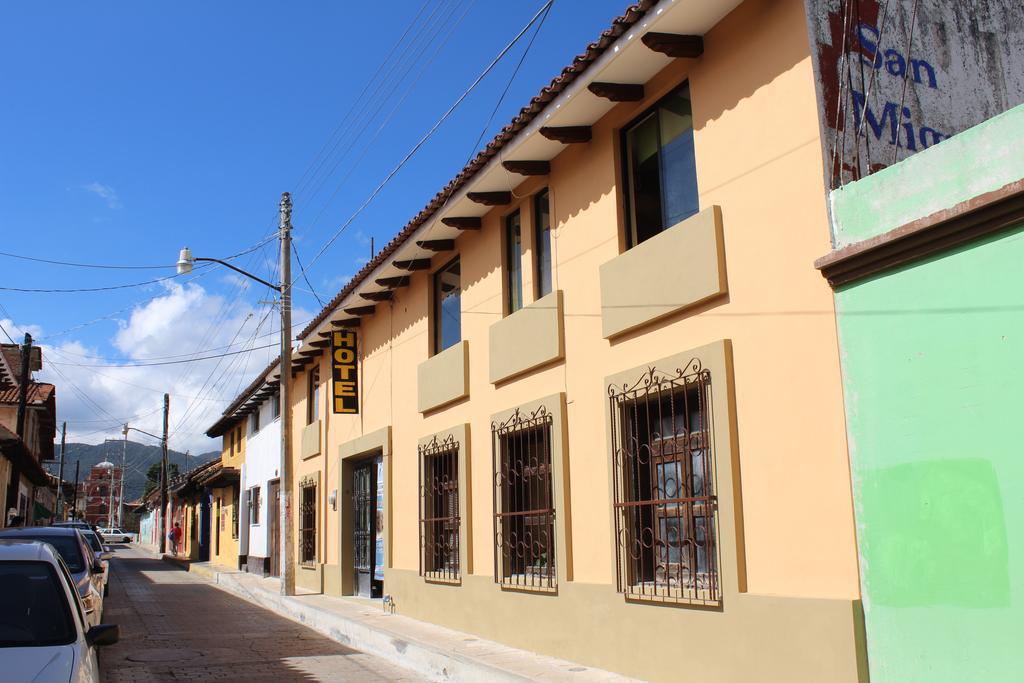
column 239, row 270
column 136, row 429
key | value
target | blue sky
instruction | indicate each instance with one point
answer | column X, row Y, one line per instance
column 131, row 129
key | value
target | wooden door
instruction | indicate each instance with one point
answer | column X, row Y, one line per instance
column 274, row 510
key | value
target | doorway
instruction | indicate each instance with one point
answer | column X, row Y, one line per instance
column 367, row 531
column 274, row 510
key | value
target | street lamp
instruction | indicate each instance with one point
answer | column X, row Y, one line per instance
column 185, row 263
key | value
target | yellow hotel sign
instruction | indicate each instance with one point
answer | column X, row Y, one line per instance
column 346, row 374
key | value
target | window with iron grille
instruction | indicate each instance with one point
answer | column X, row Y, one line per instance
column 307, row 522
column 439, row 509
column 234, row 516
column 664, row 496
column 254, row 505
column 524, row 508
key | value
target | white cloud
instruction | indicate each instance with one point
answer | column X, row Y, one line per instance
column 184, row 320
column 104, row 192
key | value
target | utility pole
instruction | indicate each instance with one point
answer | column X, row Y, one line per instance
column 110, row 497
column 74, row 496
column 285, row 234
column 120, row 494
column 60, row 472
column 163, row 476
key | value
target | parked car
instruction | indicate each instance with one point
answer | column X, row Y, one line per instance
column 44, row 634
column 86, row 569
column 115, row 535
column 101, row 555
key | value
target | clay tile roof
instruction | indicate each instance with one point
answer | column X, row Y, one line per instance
column 227, row 417
column 526, row 115
column 37, row 393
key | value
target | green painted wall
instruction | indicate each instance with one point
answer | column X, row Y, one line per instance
column 933, row 363
column 933, row 370
column 979, row 160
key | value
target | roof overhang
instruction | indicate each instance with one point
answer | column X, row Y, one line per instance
column 626, row 60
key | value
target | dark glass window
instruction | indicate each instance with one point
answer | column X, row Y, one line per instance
column 254, row 505
column 514, row 262
column 33, row 607
column 447, row 306
column 542, row 242
column 313, row 396
column 254, row 421
column 660, row 166
column 275, row 405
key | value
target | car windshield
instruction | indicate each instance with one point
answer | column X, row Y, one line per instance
column 67, row 546
column 94, row 542
column 33, row 607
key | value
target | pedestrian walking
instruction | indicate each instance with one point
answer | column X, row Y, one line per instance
column 175, row 536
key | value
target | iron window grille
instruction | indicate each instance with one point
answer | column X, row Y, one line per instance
column 524, row 509
column 254, row 505
column 440, row 522
column 234, row 516
column 307, row 522
column 664, row 497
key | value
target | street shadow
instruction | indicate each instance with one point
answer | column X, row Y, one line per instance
column 176, row 626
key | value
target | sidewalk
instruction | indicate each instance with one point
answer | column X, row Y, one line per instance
column 435, row 652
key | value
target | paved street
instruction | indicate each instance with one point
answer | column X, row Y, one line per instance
column 176, row 626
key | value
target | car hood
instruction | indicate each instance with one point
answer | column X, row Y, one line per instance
column 38, row 664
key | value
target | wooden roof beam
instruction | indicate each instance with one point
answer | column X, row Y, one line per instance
column 618, row 92
column 528, row 167
column 385, row 295
column 361, row 310
column 393, row 282
column 347, row 322
column 567, row 135
column 674, row 44
column 413, row 264
column 463, row 222
column 436, row 245
column 320, row 343
column 501, row 198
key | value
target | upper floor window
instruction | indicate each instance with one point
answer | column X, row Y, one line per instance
column 660, row 167
column 514, row 262
column 542, row 242
column 254, row 422
column 275, row 405
column 447, row 306
column 313, row 396
column 238, row 439
column 230, row 440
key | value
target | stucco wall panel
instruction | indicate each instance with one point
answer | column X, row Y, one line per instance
column 532, row 336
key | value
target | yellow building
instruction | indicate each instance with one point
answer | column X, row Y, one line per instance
column 599, row 412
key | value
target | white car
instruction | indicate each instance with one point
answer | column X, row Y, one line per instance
column 44, row 634
column 115, row 535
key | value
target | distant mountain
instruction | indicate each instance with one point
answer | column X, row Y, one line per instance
column 138, row 458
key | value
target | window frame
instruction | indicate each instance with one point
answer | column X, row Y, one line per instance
column 308, row 514
column 626, row 170
column 254, row 421
column 440, row 536
column 253, row 504
column 436, row 305
column 537, row 428
column 513, row 261
column 313, row 394
column 542, row 235
column 643, row 503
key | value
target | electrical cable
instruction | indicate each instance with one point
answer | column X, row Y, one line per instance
column 428, row 135
column 82, row 265
column 312, row 289
column 78, row 290
column 170, row 362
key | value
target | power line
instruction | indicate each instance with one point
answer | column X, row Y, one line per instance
column 169, row 362
column 429, row 133
column 78, row 290
column 103, row 266
column 7, row 335
column 312, row 289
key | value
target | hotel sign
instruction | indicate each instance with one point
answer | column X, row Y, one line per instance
column 345, row 393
